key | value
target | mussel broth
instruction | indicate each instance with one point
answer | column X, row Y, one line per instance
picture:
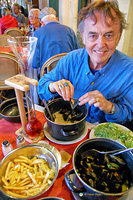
column 63, row 113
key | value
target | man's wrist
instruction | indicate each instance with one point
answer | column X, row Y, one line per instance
column 113, row 110
column 51, row 88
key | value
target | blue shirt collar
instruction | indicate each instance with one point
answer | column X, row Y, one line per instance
column 104, row 69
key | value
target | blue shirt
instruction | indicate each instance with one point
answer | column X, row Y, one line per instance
column 20, row 18
column 114, row 81
column 53, row 38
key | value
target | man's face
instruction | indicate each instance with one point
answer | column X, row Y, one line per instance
column 15, row 10
column 34, row 18
column 100, row 39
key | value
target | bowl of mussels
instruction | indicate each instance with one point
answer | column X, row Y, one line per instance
column 67, row 124
column 100, row 176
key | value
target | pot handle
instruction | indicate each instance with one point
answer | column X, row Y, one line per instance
column 69, row 133
column 82, row 192
column 70, row 183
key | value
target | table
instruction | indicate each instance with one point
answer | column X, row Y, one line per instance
column 59, row 189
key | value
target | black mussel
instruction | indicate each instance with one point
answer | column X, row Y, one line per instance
column 77, row 117
column 64, row 111
column 117, row 160
column 66, row 116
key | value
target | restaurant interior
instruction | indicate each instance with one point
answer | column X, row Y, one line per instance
column 43, row 159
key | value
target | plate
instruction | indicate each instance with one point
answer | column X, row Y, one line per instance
column 48, row 136
column 45, row 144
column 115, row 135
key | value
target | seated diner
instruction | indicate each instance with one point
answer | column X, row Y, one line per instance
column 98, row 75
column 7, row 21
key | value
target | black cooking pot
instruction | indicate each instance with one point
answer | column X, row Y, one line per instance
column 9, row 109
column 65, row 132
column 85, row 191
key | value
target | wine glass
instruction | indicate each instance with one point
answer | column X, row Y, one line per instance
column 24, row 48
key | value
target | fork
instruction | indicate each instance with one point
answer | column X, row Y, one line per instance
column 113, row 152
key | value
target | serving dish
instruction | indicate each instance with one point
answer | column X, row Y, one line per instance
column 66, row 132
column 113, row 131
column 9, row 110
column 85, row 190
column 38, row 156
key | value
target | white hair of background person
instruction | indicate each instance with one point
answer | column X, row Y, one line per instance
column 48, row 17
column 34, row 10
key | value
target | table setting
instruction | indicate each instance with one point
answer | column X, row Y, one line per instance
column 7, row 131
column 60, row 187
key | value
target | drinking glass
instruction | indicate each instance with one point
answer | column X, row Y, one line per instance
column 24, row 48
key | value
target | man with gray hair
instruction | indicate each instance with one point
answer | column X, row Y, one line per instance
column 53, row 38
column 47, row 11
column 34, row 20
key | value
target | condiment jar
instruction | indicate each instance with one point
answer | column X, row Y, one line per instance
column 20, row 141
column 6, row 147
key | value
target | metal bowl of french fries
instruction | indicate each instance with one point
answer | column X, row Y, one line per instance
column 27, row 172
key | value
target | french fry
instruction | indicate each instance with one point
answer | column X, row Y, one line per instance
column 4, row 180
column 7, row 170
column 14, row 194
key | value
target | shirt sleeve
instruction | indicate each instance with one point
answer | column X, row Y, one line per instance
column 61, row 71
column 124, row 107
column 36, row 57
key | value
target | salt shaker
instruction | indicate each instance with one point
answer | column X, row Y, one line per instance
column 20, row 141
column 6, row 147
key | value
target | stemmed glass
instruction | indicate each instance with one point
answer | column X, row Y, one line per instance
column 24, row 48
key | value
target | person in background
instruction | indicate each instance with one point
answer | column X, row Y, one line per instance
column 98, row 75
column 19, row 16
column 0, row 8
column 7, row 21
column 34, row 20
column 53, row 38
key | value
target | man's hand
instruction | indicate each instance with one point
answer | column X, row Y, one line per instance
column 63, row 87
column 98, row 100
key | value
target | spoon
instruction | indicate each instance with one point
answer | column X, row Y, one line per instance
column 46, row 106
column 113, row 152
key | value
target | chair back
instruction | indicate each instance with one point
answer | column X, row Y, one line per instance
column 51, row 63
column 14, row 32
column 3, row 40
column 8, row 68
